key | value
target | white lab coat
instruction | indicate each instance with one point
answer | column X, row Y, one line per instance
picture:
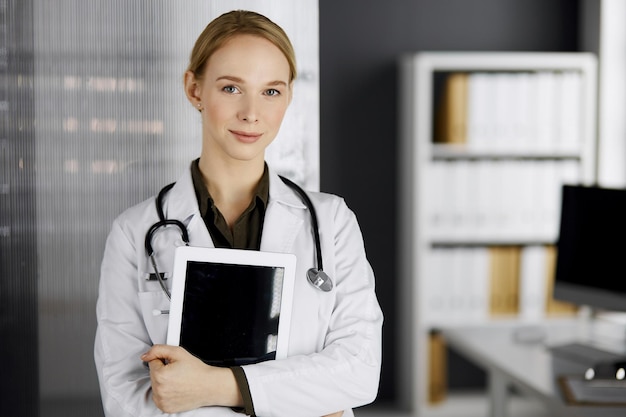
column 334, row 354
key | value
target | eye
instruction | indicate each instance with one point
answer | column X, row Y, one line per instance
column 272, row 92
column 231, row 89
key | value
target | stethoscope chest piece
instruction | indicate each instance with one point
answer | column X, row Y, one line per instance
column 319, row 279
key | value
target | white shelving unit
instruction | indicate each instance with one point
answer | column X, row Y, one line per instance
column 476, row 182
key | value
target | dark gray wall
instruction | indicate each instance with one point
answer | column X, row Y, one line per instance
column 360, row 41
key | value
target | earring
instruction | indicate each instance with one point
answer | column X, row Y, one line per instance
column 199, row 108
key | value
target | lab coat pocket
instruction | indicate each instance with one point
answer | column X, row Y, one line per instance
column 155, row 310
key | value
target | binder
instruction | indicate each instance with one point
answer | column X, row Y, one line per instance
column 438, row 369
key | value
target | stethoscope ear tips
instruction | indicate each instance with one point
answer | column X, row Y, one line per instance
column 319, row 279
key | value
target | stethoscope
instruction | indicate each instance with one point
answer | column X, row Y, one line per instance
column 316, row 276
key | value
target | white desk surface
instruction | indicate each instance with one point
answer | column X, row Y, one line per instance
column 529, row 366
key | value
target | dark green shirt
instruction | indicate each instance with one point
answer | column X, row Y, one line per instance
column 245, row 234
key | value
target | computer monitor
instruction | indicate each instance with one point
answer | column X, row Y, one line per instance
column 591, row 256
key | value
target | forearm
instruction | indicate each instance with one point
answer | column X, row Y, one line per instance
column 222, row 388
column 182, row 382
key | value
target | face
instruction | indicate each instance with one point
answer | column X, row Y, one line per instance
column 243, row 96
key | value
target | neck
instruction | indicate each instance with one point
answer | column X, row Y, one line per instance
column 231, row 185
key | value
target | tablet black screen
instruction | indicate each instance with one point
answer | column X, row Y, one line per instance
column 231, row 312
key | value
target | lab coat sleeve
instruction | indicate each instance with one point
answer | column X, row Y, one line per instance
column 122, row 335
column 346, row 372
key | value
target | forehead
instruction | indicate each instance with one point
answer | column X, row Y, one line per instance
column 249, row 56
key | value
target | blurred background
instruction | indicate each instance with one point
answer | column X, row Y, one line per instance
column 94, row 120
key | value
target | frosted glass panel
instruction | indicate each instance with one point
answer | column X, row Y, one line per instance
column 19, row 392
column 112, row 127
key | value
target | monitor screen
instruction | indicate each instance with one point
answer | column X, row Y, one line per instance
column 591, row 260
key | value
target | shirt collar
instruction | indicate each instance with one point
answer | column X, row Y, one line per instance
column 205, row 201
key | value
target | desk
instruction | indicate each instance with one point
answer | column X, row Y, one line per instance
column 529, row 367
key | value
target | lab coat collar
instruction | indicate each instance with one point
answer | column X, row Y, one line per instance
column 283, row 218
column 282, row 193
column 181, row 203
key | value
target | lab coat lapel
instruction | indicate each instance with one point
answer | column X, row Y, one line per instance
column 182, row 204
column 283, row 218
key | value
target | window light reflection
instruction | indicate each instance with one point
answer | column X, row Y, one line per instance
column 272, row 343
column 70, row 124
column 154, row 127
column 99, row 166
column 103, row 125
column 105, row 166
column 279, row 275
column 103, row 84
column 71, row 82
column 71, row 166
column 98, row 125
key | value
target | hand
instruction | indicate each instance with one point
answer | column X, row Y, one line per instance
column 337, row 414
column 182, row 382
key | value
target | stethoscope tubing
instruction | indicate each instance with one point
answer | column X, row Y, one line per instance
column 316, row 276
column 314, row 224
column 163, row 222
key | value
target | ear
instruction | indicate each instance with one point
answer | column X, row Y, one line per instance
column 192, row 88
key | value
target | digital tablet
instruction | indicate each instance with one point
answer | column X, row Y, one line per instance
column 231, row 306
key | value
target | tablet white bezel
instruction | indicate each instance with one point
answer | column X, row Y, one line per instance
column 184, row 254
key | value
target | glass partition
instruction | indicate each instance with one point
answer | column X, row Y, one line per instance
column 110, row 127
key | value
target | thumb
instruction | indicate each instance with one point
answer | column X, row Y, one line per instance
column 155, row 365
column 165, row 353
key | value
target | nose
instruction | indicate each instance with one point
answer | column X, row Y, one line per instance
column 249, row 110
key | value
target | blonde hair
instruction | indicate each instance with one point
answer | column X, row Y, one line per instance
column 239, row 22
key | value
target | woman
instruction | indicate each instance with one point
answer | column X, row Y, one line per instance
column 240, row 78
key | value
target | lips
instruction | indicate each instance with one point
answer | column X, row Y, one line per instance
column 246, row 137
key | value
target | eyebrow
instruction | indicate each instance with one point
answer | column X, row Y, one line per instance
column 241, row 81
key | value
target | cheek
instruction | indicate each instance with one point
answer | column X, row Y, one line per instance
column 275, row 117
column 216, row 113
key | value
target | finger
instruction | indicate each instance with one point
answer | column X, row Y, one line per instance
column 155, row 365
column 160, row 352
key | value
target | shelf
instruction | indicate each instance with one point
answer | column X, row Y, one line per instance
column 479, row 209
column 455, row 242
column 446, row 61
column 450, row 151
